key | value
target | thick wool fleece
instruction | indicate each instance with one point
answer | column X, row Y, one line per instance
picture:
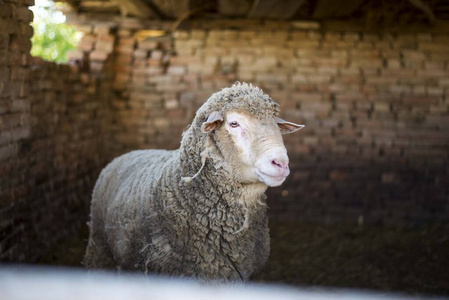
column 147, row 216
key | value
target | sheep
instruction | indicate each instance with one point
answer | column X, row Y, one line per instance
column 198, row 211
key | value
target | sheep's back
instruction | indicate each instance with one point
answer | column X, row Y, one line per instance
column 123, row 191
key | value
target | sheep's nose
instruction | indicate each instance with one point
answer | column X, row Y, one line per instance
column 275, row 162
column 279, row 163
column 280, row 167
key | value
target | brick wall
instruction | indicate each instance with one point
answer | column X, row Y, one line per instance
column 54, row 137
column 375, row 148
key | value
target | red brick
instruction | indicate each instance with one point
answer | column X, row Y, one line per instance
column 18, row 43
column 148, row 45
column 7, row 151
column 98, row 55
column 102, row 28
column 104, row 45
column 176, row 70
column 4, row 74
column 272, row 78
column 420, row 100
column 175, row 113
column 73, row 55
column 140, row 53
column 22, row 13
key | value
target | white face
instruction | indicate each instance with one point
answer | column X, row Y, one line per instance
column 260, row 150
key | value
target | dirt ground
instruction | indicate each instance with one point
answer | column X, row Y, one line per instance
column 411, row 260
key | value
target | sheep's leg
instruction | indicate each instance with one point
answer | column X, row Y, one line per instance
column 97, row 256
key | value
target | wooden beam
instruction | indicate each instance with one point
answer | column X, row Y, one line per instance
column 274, row 9
column 440, row 27
column 156, row 9
column 233, row 8
column 99, row 6
column 137, row 8
column 253, row 8
column 171, row 9
column 425, row 9
column 325, row 9
column 180, row 7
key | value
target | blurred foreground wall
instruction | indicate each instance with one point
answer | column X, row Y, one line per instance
column 61, row 284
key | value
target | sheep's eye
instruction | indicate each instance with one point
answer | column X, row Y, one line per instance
column 234, row 124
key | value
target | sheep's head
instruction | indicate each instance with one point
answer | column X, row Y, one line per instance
column 252, row 145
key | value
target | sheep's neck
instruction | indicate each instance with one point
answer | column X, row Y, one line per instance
column 216, row 174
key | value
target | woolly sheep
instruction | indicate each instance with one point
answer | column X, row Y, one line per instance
column 198, row 211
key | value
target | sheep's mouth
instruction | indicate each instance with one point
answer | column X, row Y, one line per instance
column 273, row 177
column 271, row 180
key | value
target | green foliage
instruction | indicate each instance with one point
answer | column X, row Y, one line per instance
column 52, row 37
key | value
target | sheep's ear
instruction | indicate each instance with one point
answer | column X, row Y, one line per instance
column 287, row 127
column 212, row 122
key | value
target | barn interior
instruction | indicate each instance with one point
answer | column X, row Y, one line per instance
column 367, row 202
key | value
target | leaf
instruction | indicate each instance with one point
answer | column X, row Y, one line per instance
column 52, row 38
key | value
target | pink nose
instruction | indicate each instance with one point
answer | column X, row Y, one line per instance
column 281, row 167
column 279, row 164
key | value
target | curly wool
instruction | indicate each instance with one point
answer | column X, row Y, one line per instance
column 145, row 217
column 239, row 97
